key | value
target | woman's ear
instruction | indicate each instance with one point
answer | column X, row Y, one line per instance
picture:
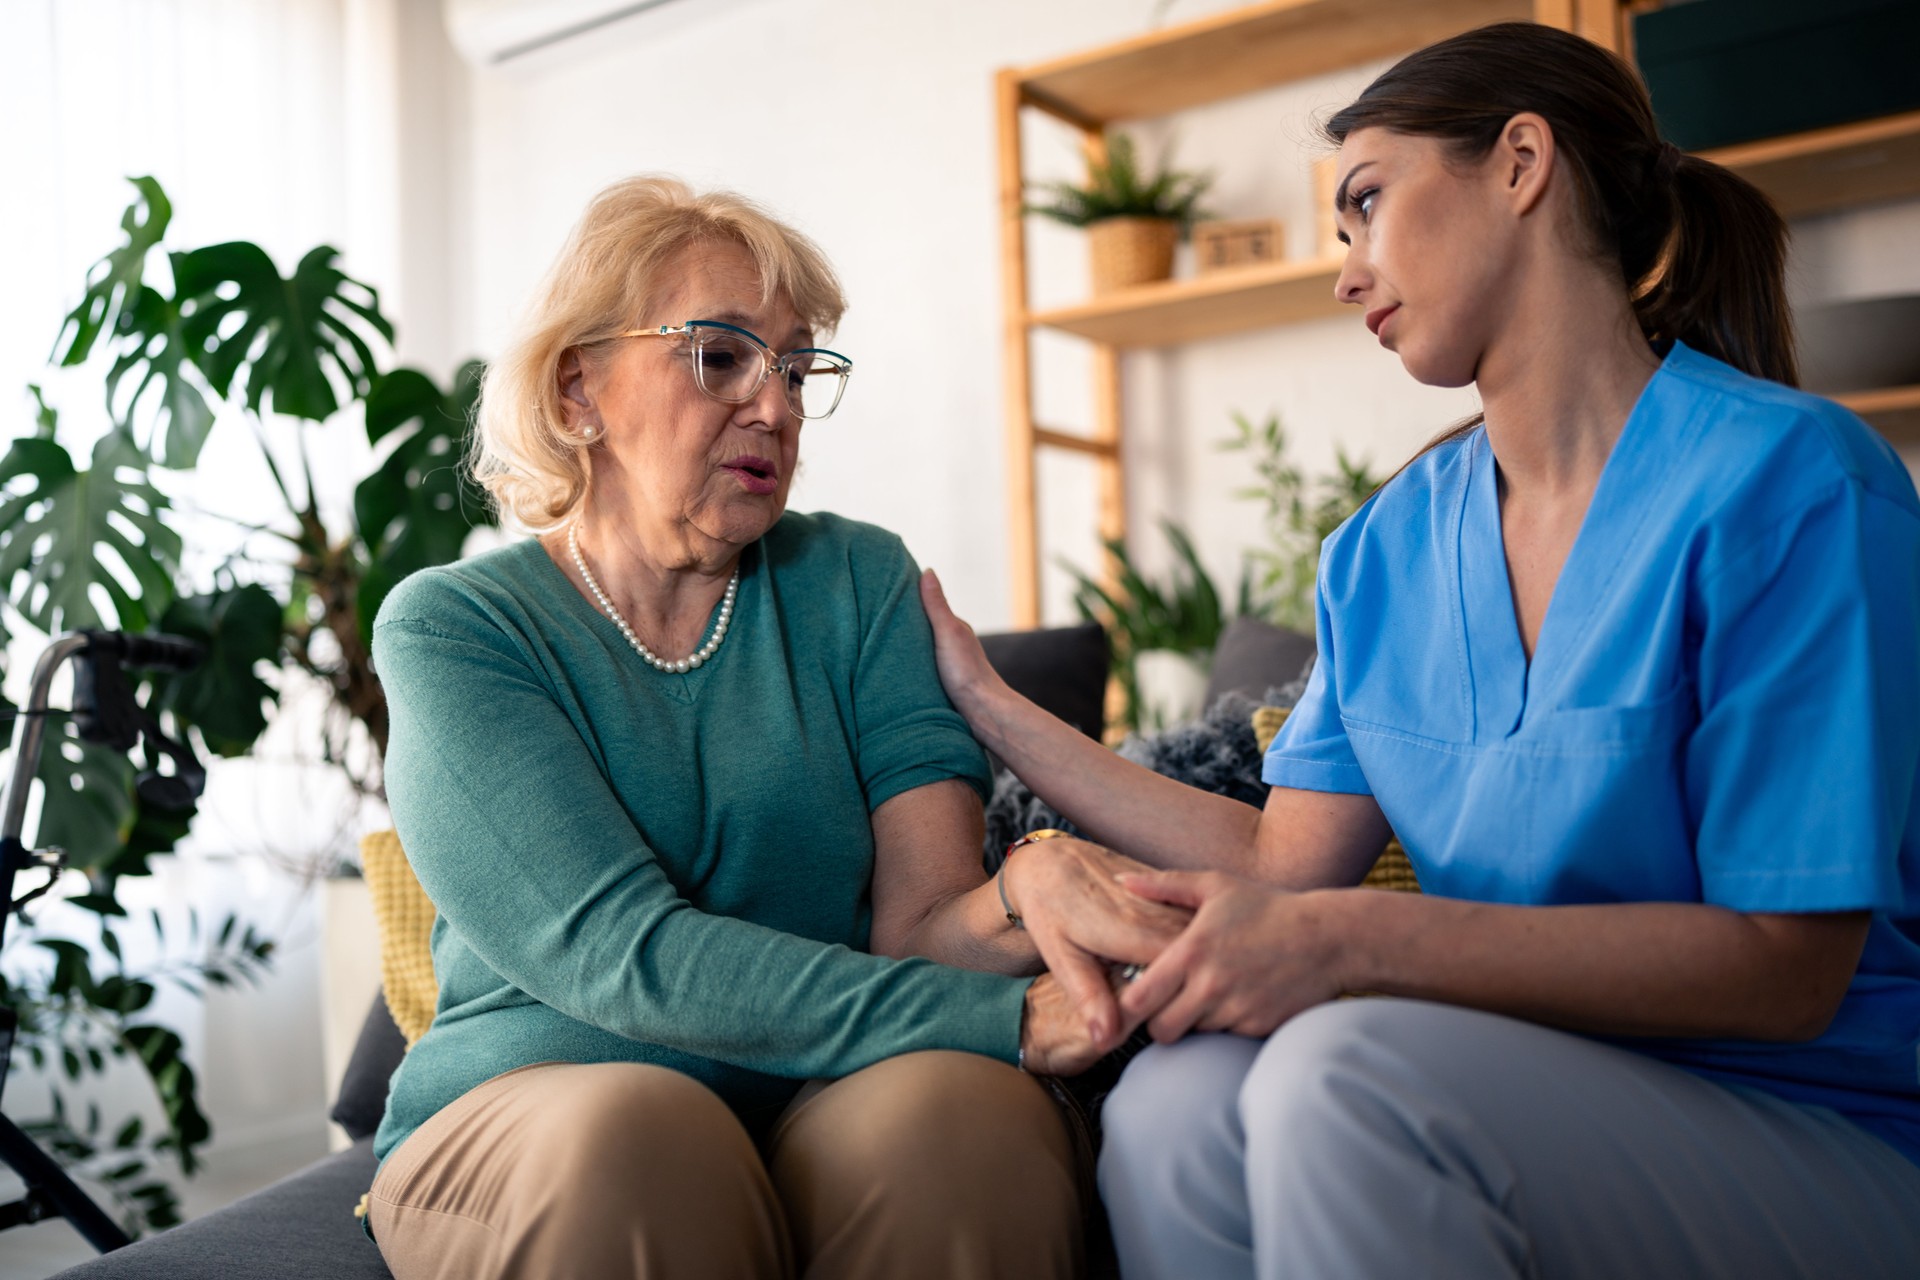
column 571, row 375
column 1525, row 156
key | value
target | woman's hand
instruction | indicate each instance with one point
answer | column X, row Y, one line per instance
column 1053, row 1033
column 1069, row 896
column 964, row 670
column 1252, row 958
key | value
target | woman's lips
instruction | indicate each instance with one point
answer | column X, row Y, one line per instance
column 756, row 475
column 1375, row 319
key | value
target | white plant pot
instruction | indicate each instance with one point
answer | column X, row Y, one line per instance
column 1172, row 684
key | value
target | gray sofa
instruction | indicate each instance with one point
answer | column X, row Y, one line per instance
column 303, row 1228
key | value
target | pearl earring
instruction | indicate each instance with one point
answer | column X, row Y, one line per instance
column 586, row 433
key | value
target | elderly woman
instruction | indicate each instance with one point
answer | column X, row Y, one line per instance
column 700, row 825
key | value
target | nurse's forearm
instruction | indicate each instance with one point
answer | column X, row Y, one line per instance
column 1634, row 969
column 1116, row 802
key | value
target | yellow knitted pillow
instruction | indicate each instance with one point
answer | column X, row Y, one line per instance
column 405, row 916
column 1392, row 871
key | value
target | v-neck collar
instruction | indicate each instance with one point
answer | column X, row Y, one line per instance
column 1505, row 683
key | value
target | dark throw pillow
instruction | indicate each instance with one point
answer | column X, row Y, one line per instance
column 363, row 1085
column 1063, row 669
column 1254, row 656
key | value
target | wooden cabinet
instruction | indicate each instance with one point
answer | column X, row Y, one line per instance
column 1260, row 47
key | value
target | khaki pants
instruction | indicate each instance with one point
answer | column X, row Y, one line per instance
column 926, row 1165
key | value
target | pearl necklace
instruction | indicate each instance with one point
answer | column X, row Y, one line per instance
column 695, row 659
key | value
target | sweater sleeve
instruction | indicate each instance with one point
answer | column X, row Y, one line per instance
column 530, row 857
column 908, row 734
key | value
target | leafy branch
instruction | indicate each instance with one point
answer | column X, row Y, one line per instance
column 80, row 1022
column 1139, row 615
column 1299, row 514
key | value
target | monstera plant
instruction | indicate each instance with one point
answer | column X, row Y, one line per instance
column 190, row 343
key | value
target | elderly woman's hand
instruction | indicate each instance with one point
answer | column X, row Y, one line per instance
column 1070, row 898
column 1252, row 957
column 1054, row 1040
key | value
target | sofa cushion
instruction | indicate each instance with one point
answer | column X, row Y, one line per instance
column 363, row 1086
column 300, row 1228
column 1063, row 669
column 1254, row 656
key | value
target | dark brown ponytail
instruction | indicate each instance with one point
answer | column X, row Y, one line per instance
column 1701, row 251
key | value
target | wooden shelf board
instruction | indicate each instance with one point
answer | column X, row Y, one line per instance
column 1833, row 168
column 1171, row 312
column 1238, row 52
column 1894, row 411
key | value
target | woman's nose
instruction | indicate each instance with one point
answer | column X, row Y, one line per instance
column 770, row 409
column 1354, row 280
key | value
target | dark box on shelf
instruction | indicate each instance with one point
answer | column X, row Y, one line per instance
column 1726, row 71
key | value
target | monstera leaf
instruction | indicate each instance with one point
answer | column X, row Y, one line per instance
column 115, row 279
column 87, row 804
column 59, row 525
column 418, row 508
column 155, row 345
column 238, row 315
column 224, row 697
column 144, row 328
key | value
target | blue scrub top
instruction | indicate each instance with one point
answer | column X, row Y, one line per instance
column 1723, row 704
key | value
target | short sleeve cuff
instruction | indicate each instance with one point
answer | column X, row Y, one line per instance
column 1314, row 775
column 900, row 781
column 921, row 749
column 1800, row 890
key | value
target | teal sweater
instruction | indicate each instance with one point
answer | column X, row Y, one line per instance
column 632, row 866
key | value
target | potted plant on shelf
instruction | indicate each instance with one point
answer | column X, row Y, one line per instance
column 1163, row 635
column 1133, row 219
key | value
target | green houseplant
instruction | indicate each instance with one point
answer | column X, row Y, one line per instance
column 1133, row 217
column 1299, row 514
column 178, row 336
column 1181, row 617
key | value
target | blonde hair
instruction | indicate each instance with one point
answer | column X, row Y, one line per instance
column 603, row 282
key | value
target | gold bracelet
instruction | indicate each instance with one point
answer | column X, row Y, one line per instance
column 1000, row 876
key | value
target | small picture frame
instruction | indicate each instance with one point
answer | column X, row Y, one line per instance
column 1222, row 246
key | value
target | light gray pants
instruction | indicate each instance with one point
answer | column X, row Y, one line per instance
column 1396, row 1138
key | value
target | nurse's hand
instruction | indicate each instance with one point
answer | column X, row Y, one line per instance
column 1083, row 921
column 965, row 673
column 1252, row 958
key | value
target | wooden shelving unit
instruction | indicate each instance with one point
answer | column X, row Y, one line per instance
column 1241, row 51
column 1836, row 168
column 1175, row 311
column 1214, row 58
column 1270, row 44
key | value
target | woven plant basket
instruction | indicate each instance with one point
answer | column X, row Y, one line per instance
column 1130, row 251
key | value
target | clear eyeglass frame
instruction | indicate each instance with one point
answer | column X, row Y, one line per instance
column 708, row 337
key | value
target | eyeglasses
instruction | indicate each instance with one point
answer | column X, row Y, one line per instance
column 731, row 364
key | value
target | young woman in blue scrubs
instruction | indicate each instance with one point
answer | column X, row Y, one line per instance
column 1631, row 665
